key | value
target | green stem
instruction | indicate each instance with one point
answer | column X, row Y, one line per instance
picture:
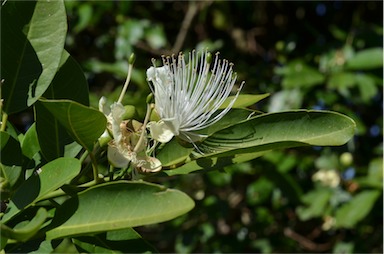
column 125, row 84
column 94, row 167
column 4, row 121
column 148, row 114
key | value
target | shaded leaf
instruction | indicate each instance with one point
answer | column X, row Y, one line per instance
column 52, row 176
column 68, row 83
column 83, row 123
column 120, row 241
column 118, row 205
column 46, row 32
column 27, row 230
column 22, row 68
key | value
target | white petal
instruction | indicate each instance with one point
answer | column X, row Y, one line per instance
column 151, row 165
column 116, row 158
column 160, row 131
column 117, row 112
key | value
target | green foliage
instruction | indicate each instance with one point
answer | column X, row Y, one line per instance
column 61, row 194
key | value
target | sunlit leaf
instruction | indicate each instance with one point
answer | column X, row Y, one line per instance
column 118, row 205
column 281, row 130
column 244, row 100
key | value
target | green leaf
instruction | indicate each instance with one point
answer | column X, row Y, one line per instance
column 52, row 176
column 281, row 130
column 298, row 74
column 27, row 230
column 244, row 100
column 69, row 83
column 213, row 163
column 173, row 153
column 118, row 205
column 23, row 68
column 357, row 209
column 84, row 124
column 11, row 163
column 342, row 80
column 316, row 201
column 46, row 32
column 367, row 87
column 30, row 145
column 371, row 58
column 120, row 241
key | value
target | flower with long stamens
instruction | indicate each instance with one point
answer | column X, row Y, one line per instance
column 189, row 95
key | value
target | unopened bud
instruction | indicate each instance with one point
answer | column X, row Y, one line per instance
column 132, row 59
column 149, row 99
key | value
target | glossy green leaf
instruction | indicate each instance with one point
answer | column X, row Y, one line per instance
column 355, row 210
column 27, row 230
column 83, row 123
column 281, row 130
column 49, row 178
column 118, row 205
column 366, row 59
column 23, row 68
column 244, row 100
column 46, row 32
column 68, row 83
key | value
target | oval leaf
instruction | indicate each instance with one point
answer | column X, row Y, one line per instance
column 281, row 130
column 83, row 123
column 118, row 205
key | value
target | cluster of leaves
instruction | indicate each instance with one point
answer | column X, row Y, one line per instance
column 53, row 203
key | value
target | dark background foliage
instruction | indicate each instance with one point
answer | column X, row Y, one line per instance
column 296, row 51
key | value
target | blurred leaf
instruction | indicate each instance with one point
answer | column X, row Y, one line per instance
column 68, row 83
column 28, row 229
column 280, row 130
column 316, row 201
column 259, row 191
column 23, row 68
column 83, row 123
column 297, row 74
column 244, row 100
column 366, row 86
column 342, row 80
column 366, row 59
column 156, row 37
column 52, row 176
column 343, row 247
column 375, row 175
column 357, row 209
column 130, row 204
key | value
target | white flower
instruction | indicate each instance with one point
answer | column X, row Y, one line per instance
column 189, row 95
column 124, row 147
